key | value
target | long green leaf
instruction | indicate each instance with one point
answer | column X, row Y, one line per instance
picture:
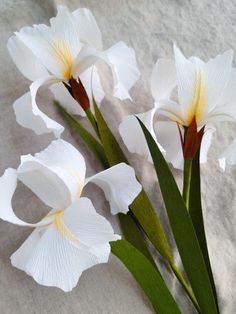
column 195, row 211
column 90, row 141
column 183, row 230
column 147, row 276
column 141, row 207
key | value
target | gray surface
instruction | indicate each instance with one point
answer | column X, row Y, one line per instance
column 203, row 28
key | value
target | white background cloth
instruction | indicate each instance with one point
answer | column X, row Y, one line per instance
column 203, row 28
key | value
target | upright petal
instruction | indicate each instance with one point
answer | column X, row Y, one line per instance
column 56, row 256
column 89, row 31
column 119, row 185
column 56, row 174
column 26, row 62
column 56, row 46
column 8, row 184
column 28, row 114
column 124, row 68
column 163, row 79
column 132, row 134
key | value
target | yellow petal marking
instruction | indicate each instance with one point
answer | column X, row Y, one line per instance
column 62, row 228
column 63, row 55
column 199, row 100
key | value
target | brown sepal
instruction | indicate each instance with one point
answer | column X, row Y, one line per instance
column 192, row 140
column 78, row 92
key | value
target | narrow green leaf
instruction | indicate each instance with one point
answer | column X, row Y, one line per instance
column 141, row 207
column 183, row 230
column 88, row 138
column 195, row 211
column 147, row 276
column 135, row 237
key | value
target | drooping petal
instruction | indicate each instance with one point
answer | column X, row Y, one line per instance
column 28, row 114
column 170, row 110
column 56, row 174
column 163, row 79
column 168, row 136
column 124, row 68
column 56, row 46
column 26, row 62
column 55, row 256
column 119, row 185
column 8, row 183
column 132, row 134
column 89, row 31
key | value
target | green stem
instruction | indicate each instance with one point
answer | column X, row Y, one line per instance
column 187, row 181
column 186, row 287
column 92, row 120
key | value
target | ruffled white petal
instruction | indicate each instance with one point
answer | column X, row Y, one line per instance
column 8, row 184
column 56, row 46
column 26, row 62
column 124, row 68
column 163, row 79
column 119, row 185
column 89, row 31
column 56, row 175
column 28, row 114
column 132, row 134
column 55, row 256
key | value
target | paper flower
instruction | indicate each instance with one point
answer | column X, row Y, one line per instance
column 67, row 50
column 205, row 91
column 72, row 237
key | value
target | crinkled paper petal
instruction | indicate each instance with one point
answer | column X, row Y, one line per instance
column 55, row 256
column 119, row 185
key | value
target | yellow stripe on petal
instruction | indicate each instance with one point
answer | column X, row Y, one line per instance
column 199, row 101
column 62, row 228
column 64, row 56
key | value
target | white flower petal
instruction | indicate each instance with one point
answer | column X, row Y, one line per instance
column 217, row 74
column 28, row 114
column 228, row 157
column 119, row 185
column 206, row 144
column 163, row 79
column 132, row 134
column 56, row 46
column 168, row 136
column 25, row 60
column 56, row 174
column 124, row 68
column 92, row 84
column 89, row 31
column 65, row 99
column 8, row 184
column 54, row 256
column 87, row 225
column 186, row 79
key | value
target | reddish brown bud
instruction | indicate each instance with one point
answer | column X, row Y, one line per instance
column 192, row 140
column 78, row 92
